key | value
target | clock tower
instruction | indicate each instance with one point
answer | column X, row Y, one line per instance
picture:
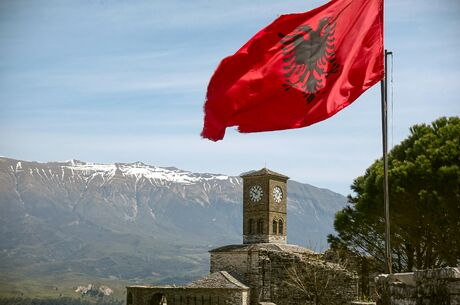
column 264, row 207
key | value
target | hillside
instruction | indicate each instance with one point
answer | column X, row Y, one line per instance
column 72, row 222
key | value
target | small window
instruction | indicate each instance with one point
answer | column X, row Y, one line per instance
column 129, row 299
column 260, row 226
column 275, row 226
column 251, row 226
column 280, row 227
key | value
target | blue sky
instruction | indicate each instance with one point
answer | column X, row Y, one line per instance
column 124, row 81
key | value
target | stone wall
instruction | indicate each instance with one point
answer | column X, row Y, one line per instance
column 244, row 266
column 235, row 263
column 366, row 267
column 266, row 210
column 424, row 287
column 151, row 295
column 270, row 274
column 306, row 279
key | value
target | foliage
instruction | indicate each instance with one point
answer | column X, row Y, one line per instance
column 308, row 281
column 57, row 301
column 424, row 186
column 319, row 283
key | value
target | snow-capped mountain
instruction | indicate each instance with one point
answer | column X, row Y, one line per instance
column 157, row 176
column 132, row 220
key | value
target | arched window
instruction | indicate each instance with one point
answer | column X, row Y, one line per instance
column 260, row 226
column 251, row 226
column 275, row 226
column 158, row 299
column 129, row 299
column 280, row 227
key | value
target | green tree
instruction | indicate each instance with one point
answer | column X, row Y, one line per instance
column 424, row 186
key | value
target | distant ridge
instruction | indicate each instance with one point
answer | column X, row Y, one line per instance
column 132, row 221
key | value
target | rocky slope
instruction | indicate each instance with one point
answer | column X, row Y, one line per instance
column 132, row 221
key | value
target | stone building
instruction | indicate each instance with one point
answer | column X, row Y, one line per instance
column 264, row 269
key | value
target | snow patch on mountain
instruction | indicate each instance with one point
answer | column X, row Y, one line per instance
column 140, row 170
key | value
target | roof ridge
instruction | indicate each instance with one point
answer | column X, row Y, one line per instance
column 262, row 172
column 233, row 280
column 218, row 279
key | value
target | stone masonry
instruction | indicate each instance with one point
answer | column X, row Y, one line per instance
column 272, row 271
column 263, row 217
column 218, row 288
column 264, row 270
column 423, row 287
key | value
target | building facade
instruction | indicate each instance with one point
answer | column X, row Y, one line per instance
column 264, row 269
column 264, row 207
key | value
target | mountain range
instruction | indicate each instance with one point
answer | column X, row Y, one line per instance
column 66, row 221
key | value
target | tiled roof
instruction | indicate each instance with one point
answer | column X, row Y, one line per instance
column 263, row 246
column 220, row 279
column 263, row 172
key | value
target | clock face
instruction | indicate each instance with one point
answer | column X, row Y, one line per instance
column 277, row 194
column 256, row 193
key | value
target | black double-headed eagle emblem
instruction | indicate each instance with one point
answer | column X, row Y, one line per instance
column 309, row 57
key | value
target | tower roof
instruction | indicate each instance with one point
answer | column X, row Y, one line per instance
column 263, row 172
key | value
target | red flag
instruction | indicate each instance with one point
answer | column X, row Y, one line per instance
column 299, row 70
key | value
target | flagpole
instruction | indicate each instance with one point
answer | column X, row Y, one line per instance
column 384, row 94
